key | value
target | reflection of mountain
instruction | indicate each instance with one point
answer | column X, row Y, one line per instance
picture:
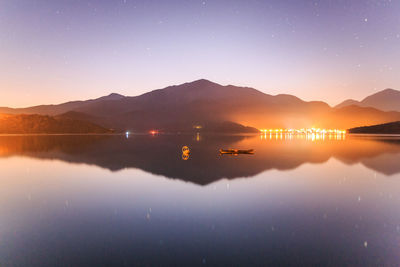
column 162, row 154
column 180, row 108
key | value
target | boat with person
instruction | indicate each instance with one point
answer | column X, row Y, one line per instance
column 236, row 151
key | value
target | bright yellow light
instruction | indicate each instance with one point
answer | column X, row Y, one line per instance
column 306, row 131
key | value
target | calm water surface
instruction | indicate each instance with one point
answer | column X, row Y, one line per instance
column 112, row 200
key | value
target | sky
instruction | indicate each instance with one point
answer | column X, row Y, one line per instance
column 56, row 51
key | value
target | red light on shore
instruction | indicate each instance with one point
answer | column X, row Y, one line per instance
column 153, row 132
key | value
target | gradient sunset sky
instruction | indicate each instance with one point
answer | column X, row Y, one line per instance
column 56, row 51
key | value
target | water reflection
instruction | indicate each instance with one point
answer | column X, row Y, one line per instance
column 53, row 213
column 162, row 155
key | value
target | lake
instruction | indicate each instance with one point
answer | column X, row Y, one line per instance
column 137, row 200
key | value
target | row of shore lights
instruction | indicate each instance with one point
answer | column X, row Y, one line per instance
column 304, row 131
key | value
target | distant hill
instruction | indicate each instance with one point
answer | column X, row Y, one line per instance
column 60, row 108
column 386, row 128
column 43, row 124
column 386, row 100
column 348, row 102
column 179, row 108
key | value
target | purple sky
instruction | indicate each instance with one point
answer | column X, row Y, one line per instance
column 55, row 51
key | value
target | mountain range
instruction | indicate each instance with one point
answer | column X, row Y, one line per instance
column 386, row 100
column 203, row 105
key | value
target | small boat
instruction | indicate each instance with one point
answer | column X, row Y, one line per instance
column 236, row 151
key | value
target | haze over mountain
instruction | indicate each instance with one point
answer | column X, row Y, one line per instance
column 209, row 105
column 386, row 100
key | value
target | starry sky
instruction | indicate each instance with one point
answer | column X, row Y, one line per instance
column 56, row 51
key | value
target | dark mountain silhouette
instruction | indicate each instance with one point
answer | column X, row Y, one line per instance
column 386, row 128
column 386, row 100
column 162, row 154
column 196, row 103
column 77, row 116
column 40, row 124
column 179, row 107
column 206, row 104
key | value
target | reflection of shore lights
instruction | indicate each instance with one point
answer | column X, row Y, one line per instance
column 127, row 134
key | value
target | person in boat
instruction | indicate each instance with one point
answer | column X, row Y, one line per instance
column 236, row 151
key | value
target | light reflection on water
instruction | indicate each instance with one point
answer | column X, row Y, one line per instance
column 109, row 200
